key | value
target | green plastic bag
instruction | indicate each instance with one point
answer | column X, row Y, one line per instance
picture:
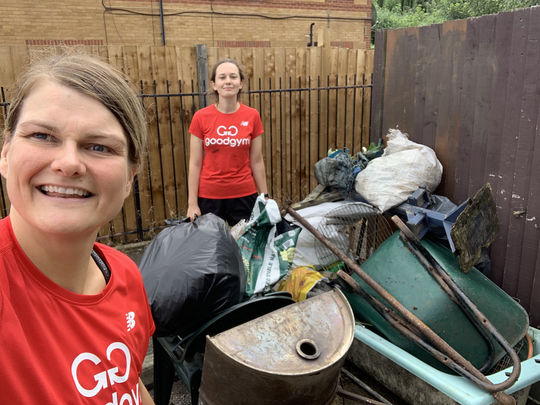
column 267, row 246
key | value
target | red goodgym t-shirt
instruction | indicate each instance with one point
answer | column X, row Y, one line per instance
column 226, row 168
column 58, row 347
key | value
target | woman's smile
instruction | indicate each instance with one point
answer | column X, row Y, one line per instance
column 66, row 163
column 64, row 192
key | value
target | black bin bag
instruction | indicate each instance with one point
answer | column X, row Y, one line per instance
column 191, row 272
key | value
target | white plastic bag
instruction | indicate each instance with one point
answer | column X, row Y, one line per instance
column 331, row 219
column 387, row 181
column 308, row 247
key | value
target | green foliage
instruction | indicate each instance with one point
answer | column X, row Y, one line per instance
column 413, row 13
column 387, row 19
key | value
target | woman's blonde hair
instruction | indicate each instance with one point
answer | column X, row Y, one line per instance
column 92, row 77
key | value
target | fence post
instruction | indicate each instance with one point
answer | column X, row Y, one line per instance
column 202, row 74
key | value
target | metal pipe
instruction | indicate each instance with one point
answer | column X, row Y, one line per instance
column 477, row 323
column 427, row 259
column 482, row 380
column 162, row 21
column 365, row 387
column 359, row 399
column 311, row 34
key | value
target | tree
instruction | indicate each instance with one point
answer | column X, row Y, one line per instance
column 407, row 13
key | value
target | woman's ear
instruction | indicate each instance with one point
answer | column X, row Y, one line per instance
column 129, row 184
column 3, row 160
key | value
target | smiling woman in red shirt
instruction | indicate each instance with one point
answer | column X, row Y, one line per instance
column 75, row 320
column 226, row 166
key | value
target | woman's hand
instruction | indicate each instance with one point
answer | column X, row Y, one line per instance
column 193, row 213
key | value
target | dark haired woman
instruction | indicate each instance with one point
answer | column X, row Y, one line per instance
column 226, row 166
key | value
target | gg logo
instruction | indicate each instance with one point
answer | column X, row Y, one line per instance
column 104, row 378
column 222, row 130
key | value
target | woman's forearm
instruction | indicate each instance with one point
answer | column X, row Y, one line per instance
column 258, row 170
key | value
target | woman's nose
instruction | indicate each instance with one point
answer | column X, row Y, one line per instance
column 68, row 160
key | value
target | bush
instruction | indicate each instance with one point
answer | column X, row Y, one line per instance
column 399, row 14
column 388, row 19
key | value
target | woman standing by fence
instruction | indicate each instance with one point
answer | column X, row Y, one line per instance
column 226, row 166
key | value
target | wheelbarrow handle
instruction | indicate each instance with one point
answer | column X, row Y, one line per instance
column 409, row 316
column 446, row 281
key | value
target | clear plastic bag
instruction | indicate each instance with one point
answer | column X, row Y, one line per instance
column 387, row 181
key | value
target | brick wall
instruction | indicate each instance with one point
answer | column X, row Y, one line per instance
column 264, row 23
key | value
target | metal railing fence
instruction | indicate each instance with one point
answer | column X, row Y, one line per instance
column 302, row 119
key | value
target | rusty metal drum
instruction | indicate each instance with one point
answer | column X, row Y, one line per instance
column 289, row 356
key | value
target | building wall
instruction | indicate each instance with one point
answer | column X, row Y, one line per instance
column 231, row 23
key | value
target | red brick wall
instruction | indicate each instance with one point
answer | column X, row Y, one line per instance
column 256, row 23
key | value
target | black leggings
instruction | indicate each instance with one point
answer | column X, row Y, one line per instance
column 231, row 210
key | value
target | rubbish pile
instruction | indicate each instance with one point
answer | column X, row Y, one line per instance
column 412, row 264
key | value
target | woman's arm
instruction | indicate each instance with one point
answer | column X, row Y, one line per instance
column 194, row 174
column 146, row 399
column 257, row 165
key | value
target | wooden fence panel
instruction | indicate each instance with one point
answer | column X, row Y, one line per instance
column 299, row 126
column 349, row 99
column 469, row 89
column 523, row 237
column 148, row 176
column 127, row 216
column 448, row 99
column 314, row 118
column 365, row 71
column 300, row 80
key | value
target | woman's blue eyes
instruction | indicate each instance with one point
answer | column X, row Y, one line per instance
column 99, row 148
column 92, row 147
column 42, row 136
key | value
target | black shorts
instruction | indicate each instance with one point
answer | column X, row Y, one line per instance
column 231, row 210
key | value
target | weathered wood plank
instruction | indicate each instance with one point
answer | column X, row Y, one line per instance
column 520, row 232
column 509, row 157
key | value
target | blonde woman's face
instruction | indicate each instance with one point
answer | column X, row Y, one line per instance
column 66, row 163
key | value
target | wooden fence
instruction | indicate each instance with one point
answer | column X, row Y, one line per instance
column 470, row 89
column 310, row 100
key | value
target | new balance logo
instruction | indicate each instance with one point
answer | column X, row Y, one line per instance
column 130, row 320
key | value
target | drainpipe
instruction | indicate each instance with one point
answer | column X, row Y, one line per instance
column 311, row 34
column 162, row 22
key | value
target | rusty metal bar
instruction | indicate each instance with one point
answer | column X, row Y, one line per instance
column 477, row 323
column 365, row 387
column 479, row 378
column 429, row 261
column 355, row 397
column 406, row 329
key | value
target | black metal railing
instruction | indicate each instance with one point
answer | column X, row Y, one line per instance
column 302, row 119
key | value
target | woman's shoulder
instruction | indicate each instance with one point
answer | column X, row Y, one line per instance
column 245, row 109
column 210, row 109
column 7, row 238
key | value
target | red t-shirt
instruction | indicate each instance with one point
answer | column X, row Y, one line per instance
column 226, row 169
column 58, row 347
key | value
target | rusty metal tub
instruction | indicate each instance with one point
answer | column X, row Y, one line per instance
column 289, row 356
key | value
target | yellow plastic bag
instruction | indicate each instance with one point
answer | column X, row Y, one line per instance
column 300, row 282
